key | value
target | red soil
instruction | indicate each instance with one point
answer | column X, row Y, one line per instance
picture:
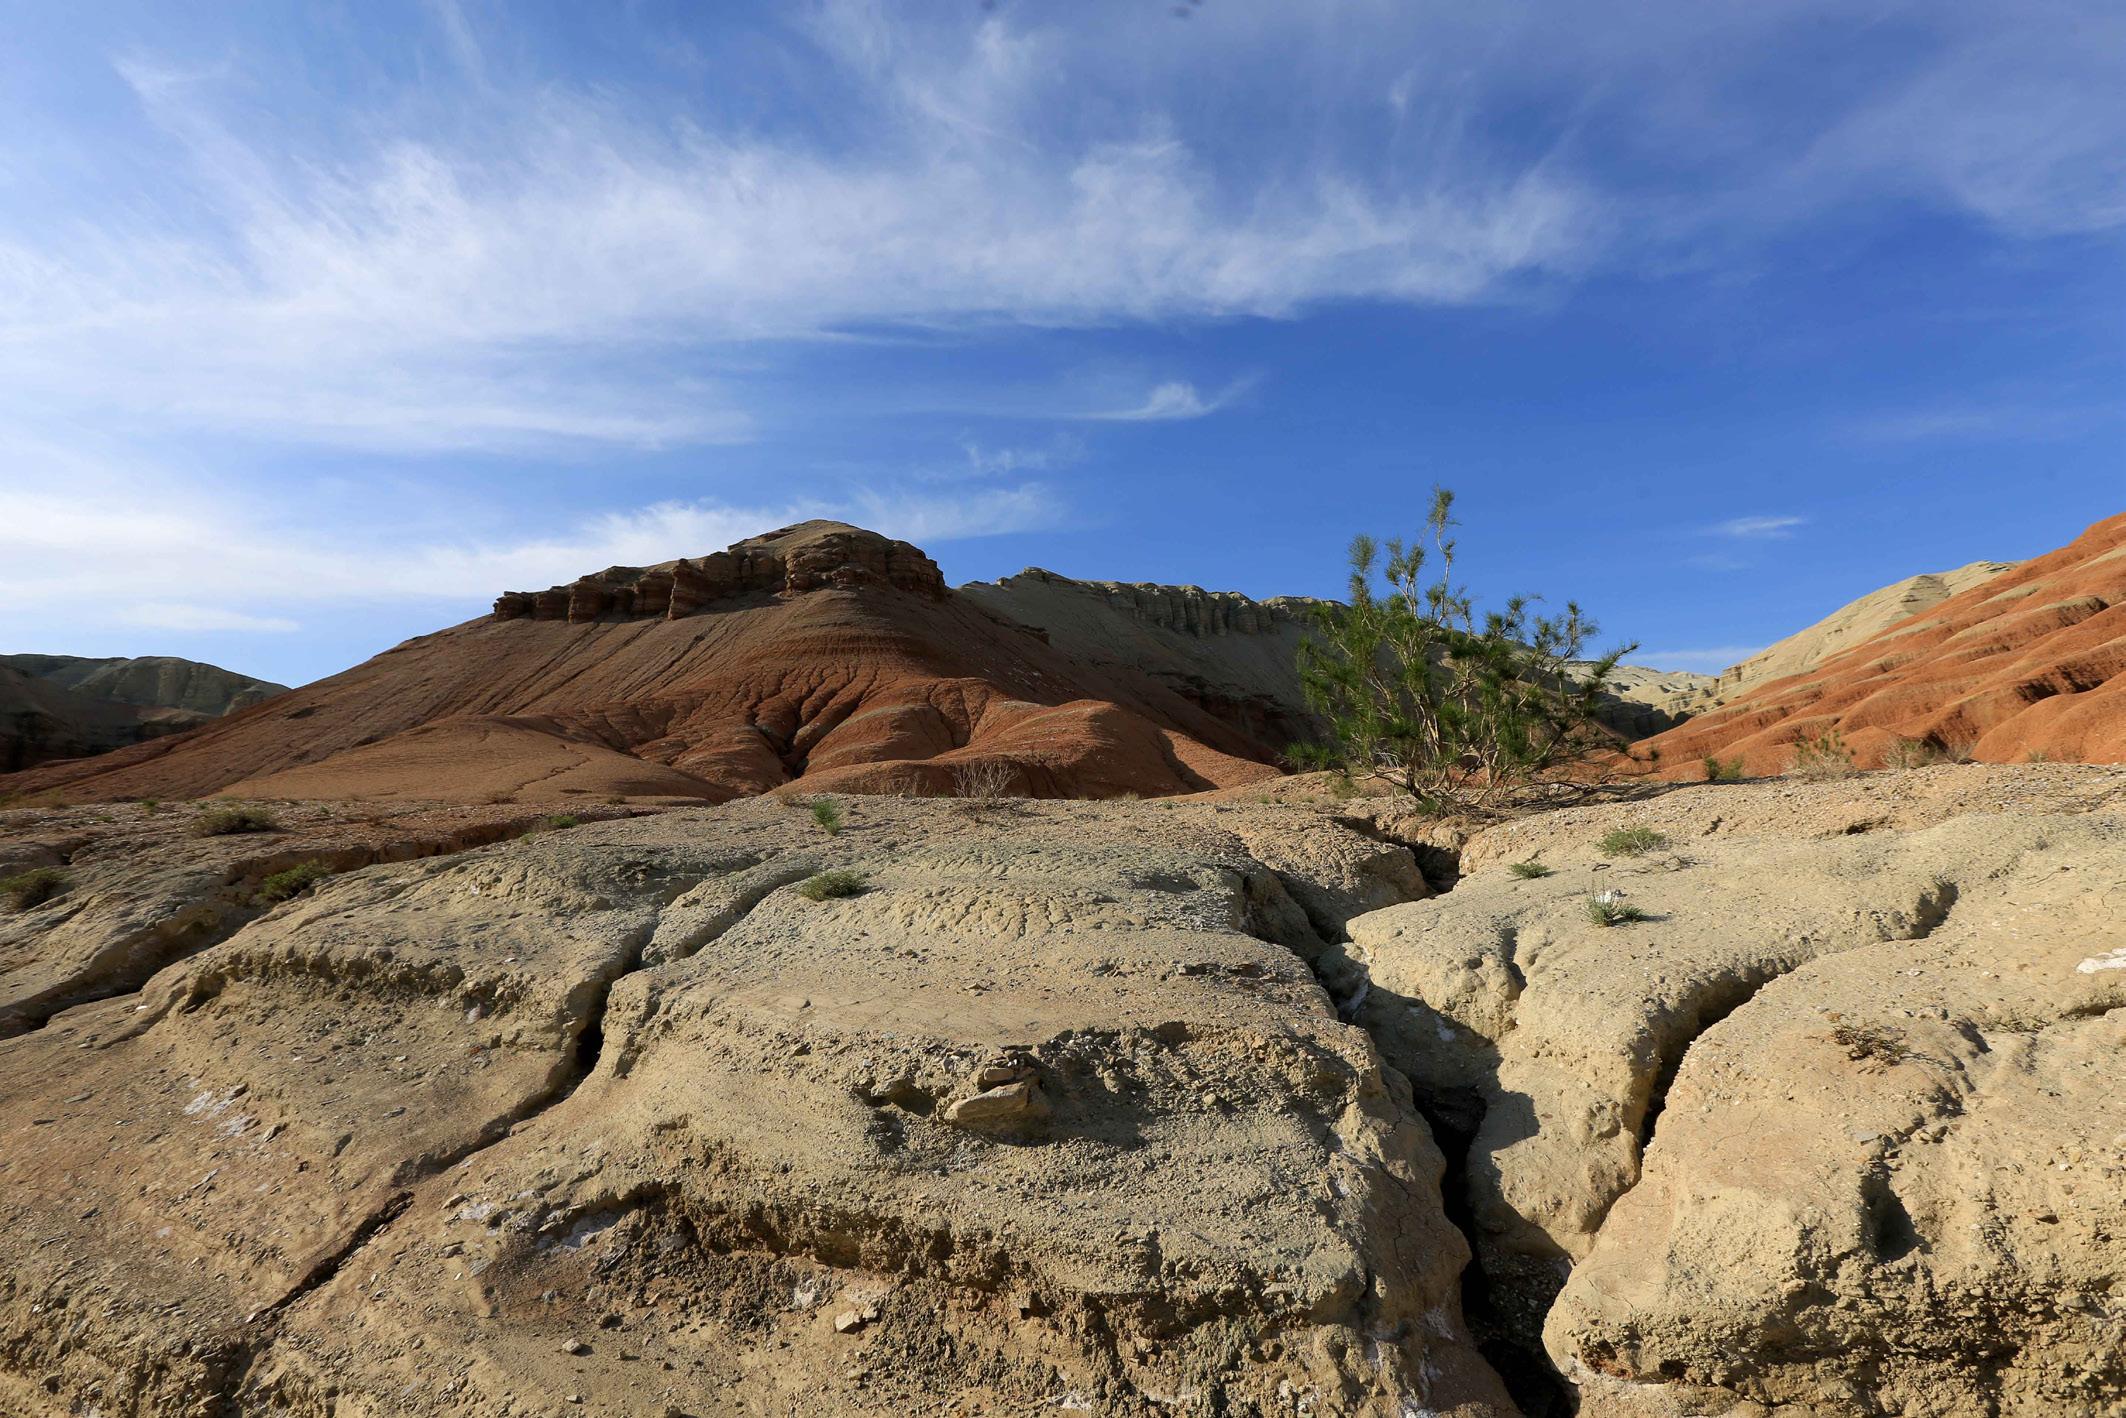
column 820, row 656
column 2031, row 663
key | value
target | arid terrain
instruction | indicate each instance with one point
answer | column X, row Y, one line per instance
column 1124, row 1108
column 776, row 983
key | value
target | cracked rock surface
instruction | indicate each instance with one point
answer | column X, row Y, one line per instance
column 1051, row 1112
column 1125, row 1108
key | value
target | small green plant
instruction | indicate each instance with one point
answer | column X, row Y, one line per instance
column 2037, row 755
column 227, row 821
column 1631, row 842
column 1717, row 771
column 32, row 888
column 830, row 885
column 1824, row 756
column 151, row 806
column 558, row 822
column 1911, row 753
column 286, row 885
column 1529, row 870
column 1609, row 908
column 828, row 814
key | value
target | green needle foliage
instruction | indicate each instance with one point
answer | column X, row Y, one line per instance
column 1606, row 910
column 828, row 814
column 1528, row 870
column 1457, row 708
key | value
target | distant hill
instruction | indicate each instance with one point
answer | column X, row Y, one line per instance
column 69, row 706
column 1999, row 662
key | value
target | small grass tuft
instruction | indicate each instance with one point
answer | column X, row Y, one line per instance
column 32, row 888
column 1824, row 756
column 1719, row 771
column 1609, row 909
column 1632, row 842
column 1912, row 753
column 1529, row 870
column 1872, row 1044
column 286, row 885
column 831, row 885
column 828, row 814
column 228, row 821
column 558, row 822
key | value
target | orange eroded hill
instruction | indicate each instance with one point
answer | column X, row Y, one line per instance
column 2029, row 663
column 819, row 654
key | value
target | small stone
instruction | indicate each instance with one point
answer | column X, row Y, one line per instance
column 848, row 1322
column 574, row 1346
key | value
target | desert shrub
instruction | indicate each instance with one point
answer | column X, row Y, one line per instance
column 987, row 778
column 1528, row 870
column 830, row 885
column 227, row 821
column 1911, row 753
column 1872, row 1044
column 1717, row 771
column 151, row 806
column 1609, row 908
column 1631, row 842
column 2037, row 755
column 1824, row 756
column 828, row 814
column 558, row 822
column 32, row 888
column 1456, row 708
column 286, row 885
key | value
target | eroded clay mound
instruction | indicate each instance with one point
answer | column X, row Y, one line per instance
column 820, row 653
column 2028, row 663
column 1047, row 1113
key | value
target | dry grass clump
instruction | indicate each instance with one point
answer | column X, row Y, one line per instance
column 1823, row 757
column 1529, row 870
column 1631, row 842
column 32, row 888
column 831, row 885
column 1609, row 908
column 1722, row 770
column 1912, row 753
column 985, row 778
column 286, row 885
column 228, row 821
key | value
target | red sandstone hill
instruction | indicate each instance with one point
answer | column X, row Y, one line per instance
column 820, row 653
column 2029, row 662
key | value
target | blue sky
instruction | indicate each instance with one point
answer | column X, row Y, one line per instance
column 322, row 324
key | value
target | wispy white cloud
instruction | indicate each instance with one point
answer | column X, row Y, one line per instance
column 95, row 546
column 1758, row 528
column 1175, row 399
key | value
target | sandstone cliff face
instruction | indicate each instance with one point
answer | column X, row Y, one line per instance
column 810, row 556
